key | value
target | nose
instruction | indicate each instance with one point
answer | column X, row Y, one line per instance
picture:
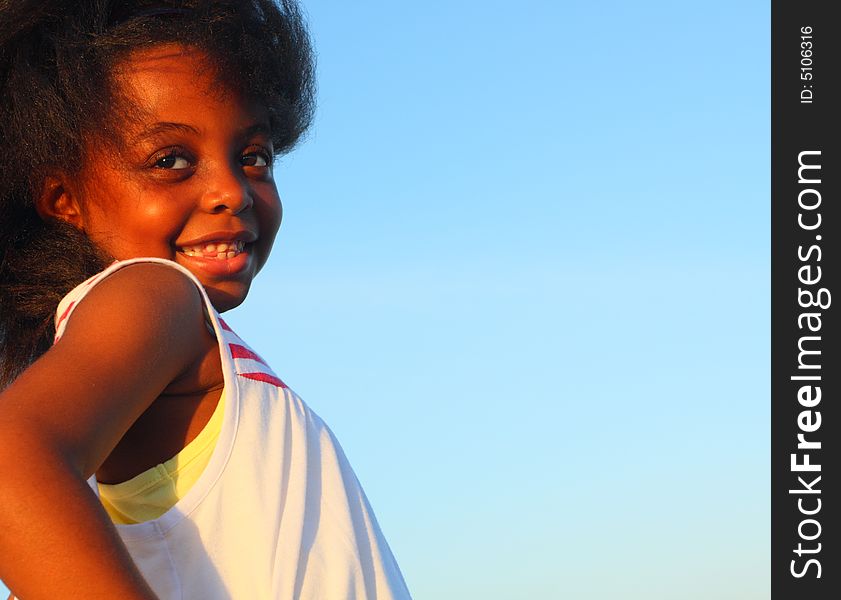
column 227, row 191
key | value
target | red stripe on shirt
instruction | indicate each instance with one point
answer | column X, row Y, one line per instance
column 264, row 377
column 65, row 314
column 238, row 351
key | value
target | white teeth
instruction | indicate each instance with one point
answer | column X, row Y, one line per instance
column 218, row 250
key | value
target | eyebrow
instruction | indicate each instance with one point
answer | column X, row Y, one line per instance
column 262, row 128
column 167, row 127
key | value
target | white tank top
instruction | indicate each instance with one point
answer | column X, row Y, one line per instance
column 277, row 513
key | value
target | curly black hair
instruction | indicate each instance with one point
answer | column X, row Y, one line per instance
column 57, row 59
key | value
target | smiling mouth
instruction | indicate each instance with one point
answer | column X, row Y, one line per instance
column 219, row 250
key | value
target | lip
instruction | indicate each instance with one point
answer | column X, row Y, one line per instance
column 242, row 235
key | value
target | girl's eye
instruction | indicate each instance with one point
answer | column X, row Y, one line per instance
column 172, row 160
column 257, row 158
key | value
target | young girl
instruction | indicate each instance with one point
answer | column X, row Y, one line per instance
column 145, row 450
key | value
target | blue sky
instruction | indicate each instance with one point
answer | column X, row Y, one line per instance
column 524, row 275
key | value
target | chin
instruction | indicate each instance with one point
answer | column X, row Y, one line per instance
column 226, row 297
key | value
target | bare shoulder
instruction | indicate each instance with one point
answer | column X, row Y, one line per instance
column 144, row 309
column 140, row 291
column 134, row 333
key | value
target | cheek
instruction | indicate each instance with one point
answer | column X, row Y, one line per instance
column 269, row 212
column 118, row 205
column 159, row 220
column 145, row 229
column 279, row 213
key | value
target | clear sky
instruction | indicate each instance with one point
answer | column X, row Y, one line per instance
column 524, row 275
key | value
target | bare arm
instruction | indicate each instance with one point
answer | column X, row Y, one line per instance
column 131, row 337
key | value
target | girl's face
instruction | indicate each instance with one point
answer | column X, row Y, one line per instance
column 194, row 182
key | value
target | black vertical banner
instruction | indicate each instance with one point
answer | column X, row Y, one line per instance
column 805, row 332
